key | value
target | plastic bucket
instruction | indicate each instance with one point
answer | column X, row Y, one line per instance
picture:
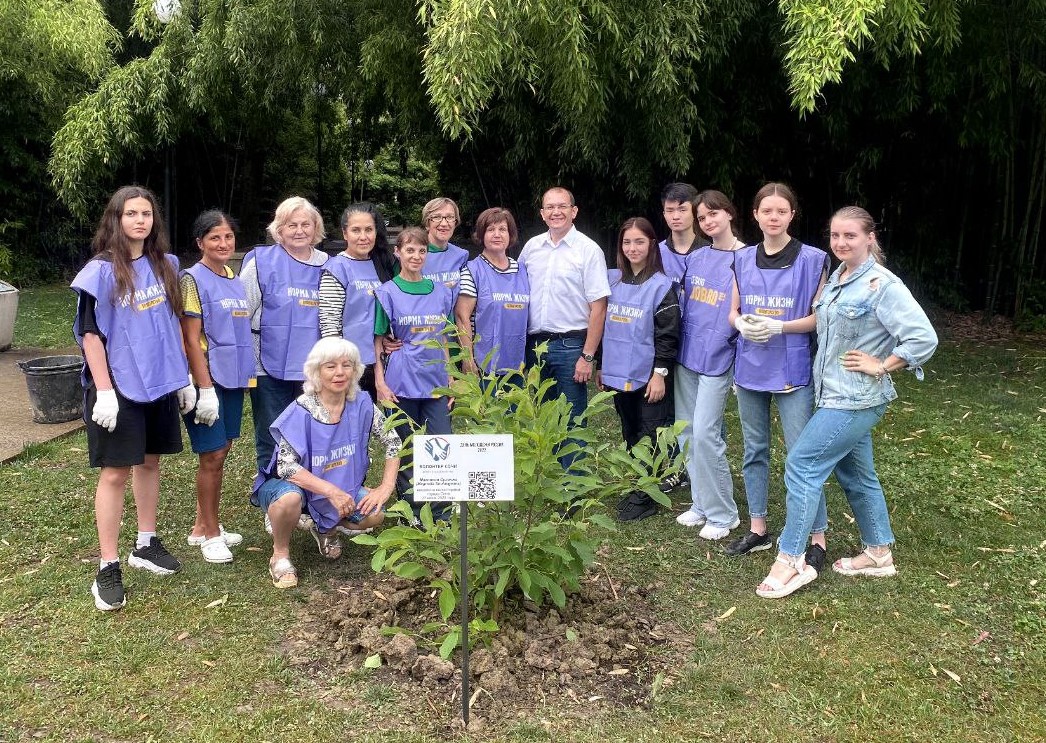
column 55, row 391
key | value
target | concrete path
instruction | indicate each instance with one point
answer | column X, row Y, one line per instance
column 17, row 428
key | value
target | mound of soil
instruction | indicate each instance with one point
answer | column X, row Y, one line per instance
column 604, row 648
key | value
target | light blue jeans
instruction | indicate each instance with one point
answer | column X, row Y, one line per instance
column 794, row 409
column 700, row 402
column 839, row 440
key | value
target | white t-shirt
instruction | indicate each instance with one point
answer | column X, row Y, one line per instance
column 564, row 279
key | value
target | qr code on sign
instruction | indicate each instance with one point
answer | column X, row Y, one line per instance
column 481, row 486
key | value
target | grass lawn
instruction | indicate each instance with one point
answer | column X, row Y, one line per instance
column 952, row 649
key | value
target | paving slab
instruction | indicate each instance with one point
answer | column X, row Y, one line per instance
column 17, row 428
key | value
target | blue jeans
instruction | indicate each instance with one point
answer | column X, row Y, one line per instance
column 794, row 409
column 839, row 440
column 270, row 398
column 433, row 412
column 701, row 402
column 559, row 364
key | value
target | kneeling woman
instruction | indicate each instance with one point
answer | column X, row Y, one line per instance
column 321, row 459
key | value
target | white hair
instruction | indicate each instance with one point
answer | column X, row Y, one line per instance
column 327, row 350
column 287, row 208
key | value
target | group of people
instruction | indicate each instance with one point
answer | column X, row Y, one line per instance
column 326, row 345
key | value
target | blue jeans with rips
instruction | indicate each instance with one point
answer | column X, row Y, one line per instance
column 839, row 440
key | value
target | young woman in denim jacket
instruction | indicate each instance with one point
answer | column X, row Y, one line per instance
column 868, row 325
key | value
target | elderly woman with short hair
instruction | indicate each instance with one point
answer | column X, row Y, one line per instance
column 282, row 283
column 441, row 217
column 322, row 459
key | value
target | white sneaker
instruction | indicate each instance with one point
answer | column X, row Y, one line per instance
column 231, row 538
column 268, row 525
column 305, row 522
column 216, row 550
column 690, row 518
column 714, row 533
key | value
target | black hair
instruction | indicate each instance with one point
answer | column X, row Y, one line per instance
column 381, row 256
column 681, row 192
column 210, row 219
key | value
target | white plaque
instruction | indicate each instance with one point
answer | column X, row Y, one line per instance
column 459, row 467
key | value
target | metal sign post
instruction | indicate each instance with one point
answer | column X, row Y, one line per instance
column 464, row 469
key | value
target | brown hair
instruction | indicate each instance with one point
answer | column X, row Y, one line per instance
column 653, row 257
column 412, row 235
column 111, row 244
column 864, row 219
column 776, row 189
column 492, row 216
column 717, row 200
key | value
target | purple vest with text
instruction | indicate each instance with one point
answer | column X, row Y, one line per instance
column 335, row 452
column 415, row 370
column 142, row 341
column 706, row 345
column 674, row 264
column 502, row 310
column 628, row 334
column 290, row 324
column 360, row 280
column 786, row 360
column 227, row 327
column 444, row 267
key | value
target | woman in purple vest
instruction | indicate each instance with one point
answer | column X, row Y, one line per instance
column 413, row 309
column 640, row 341
column 777, row 283
column 135, row 377
column 282, row 282
column 349, row 280
column 704, row 377
column 217, row 329
column 493, row 299
column 321, row 459
column 868, row 326
column 443, row 265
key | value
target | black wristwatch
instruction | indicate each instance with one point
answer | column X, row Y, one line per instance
column 588, row 357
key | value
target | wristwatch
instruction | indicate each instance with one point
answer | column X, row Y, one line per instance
column 588, row 357
column 661, row 371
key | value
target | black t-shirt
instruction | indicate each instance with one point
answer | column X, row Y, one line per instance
column 782, row 259
column 85, row 315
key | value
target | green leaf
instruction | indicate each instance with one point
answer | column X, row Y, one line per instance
column 410, row 570
column 450, row 642
column 377, row 560
column 447, row 601
column 373, row 661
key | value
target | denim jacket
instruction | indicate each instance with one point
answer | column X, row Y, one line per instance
column 872, row 311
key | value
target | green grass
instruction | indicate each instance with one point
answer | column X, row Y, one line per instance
column 843, row 660
column 45, row 317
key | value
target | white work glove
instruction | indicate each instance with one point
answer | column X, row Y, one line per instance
column 752, row 328
column 776, row 327
column 186, row 398
column 105, row 410
column 207, row 406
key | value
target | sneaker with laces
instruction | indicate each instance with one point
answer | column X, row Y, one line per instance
column 107, row 588
column 750, row 542
column 690, row 518
column 672, row 482
column 155, row 558
column 715, row 533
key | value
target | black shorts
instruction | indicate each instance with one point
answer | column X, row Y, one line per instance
column 141, row 428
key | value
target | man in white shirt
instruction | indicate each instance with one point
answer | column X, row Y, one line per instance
column 568, row 300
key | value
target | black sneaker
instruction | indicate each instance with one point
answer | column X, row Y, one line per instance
column 108, row 588
column 815, row 557
column 638, row 506
column 678, row 480
column 750, row 542
column 155, row 558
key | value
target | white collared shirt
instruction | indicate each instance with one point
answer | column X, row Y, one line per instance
column 564, row 279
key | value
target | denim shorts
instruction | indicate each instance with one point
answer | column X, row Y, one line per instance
column 275, row 488
column 204, row 439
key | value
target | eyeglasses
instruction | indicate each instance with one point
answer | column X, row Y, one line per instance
column 557, row 207
column 448, row 218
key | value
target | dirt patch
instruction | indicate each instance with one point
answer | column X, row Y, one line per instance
column 604, row 649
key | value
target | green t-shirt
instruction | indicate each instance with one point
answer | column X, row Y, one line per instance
column 418, row 288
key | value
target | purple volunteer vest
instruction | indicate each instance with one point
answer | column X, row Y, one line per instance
column 786, row 360
column 502, row 311
column 360, row 280
column 290, row 324
column 415, row 370
column 227, row 327
column 706, row 345
column 143, row 345
column 628, row 333
column 444, row 266
column 674, row 264
column 335, row 452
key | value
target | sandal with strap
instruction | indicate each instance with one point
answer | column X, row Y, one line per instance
column 283, row 573
column 803, row 574
column 329, row 544
column 881, row 567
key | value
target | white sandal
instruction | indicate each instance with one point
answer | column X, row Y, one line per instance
column 881, row 567
column 803, row 574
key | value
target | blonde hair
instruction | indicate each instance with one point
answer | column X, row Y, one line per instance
column 283, row 214
column 325, row 351
column 864, row 219
column 435, row 205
